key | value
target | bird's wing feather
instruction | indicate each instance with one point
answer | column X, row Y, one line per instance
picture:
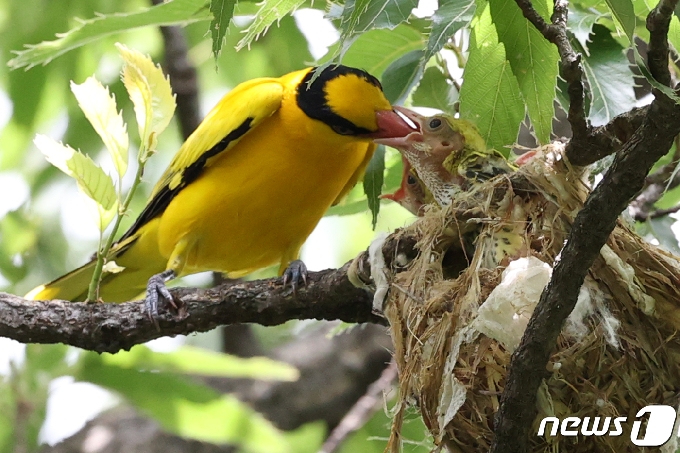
column 239, row 112
column 359, row 172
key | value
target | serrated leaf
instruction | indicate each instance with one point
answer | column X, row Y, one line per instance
column 150, row 92
column 270, row 11
column 374, row 50
column 490, row 95
column 91, row 179
column 360, row 16
column 167, row 13
column 609, row 78
column 581, row 21
column 401, row 76
column 534, row 61
column 194, row 360
column 186, row 408
column 451, row 16
column 99, row 107
column 222, row 12
column 373, row 182
column 624, row 13
column 435, row 91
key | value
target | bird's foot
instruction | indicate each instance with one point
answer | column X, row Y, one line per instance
column 157, row 292
column 295, row 273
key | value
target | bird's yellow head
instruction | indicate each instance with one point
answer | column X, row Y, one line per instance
column 351, row 102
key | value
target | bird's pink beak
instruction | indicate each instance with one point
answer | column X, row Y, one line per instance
column 391, row 125
column 406, row 137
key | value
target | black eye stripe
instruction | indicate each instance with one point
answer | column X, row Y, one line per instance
column 311, row 98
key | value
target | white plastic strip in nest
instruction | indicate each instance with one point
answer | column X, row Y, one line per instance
column 453, row 393
column 377, row 261
column 627, row 275
column 506, row 312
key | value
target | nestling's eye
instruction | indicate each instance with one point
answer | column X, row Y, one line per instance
column 342, row 130
column 410, row 180
column 435, row 123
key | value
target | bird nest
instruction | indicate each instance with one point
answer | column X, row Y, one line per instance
column 455, row 326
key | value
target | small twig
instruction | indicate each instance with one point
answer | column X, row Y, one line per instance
column 362, row 410
column 658, row 213
column 656, row 185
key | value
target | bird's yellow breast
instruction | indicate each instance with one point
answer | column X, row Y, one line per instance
column 255, row 205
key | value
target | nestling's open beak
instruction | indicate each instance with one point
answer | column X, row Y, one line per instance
column 405, row 136
column 400, row 194
column 390, row 125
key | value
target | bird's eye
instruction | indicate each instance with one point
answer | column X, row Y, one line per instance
column 435, row 123
column 342, row 130
column 410, row 180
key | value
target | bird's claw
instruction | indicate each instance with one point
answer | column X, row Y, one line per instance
column 156, row 292
column 295, row 273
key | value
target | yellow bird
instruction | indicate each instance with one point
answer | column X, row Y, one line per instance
column 249, row 185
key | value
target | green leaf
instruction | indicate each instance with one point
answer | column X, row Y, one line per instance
column 581, row 21
column 624, row 13
column 100, row 110
column 451, row 16
column 435, row 91
column 609, row 77
column 222, row 12
column 373, row 182
column 186, row 408
column 168, row 13
column 661, row 229
column 490, row 96
column 194, row 360
column 270, row 11
column 360, row 16
column 374, row 50
column 151, row 95
column 534, row 61
column 401, row 76
column 91, row 179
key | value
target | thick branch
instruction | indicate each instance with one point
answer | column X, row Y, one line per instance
column 111, row 327
column 591, row 228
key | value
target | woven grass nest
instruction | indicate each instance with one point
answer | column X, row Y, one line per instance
column 454, row 331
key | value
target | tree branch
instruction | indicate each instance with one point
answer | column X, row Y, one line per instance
column 658, row 24
column 107, row 327
column 591, row 228
column 570, row 62
column 642, row 208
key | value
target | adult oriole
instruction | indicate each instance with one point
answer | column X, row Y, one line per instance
column 249, row 185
